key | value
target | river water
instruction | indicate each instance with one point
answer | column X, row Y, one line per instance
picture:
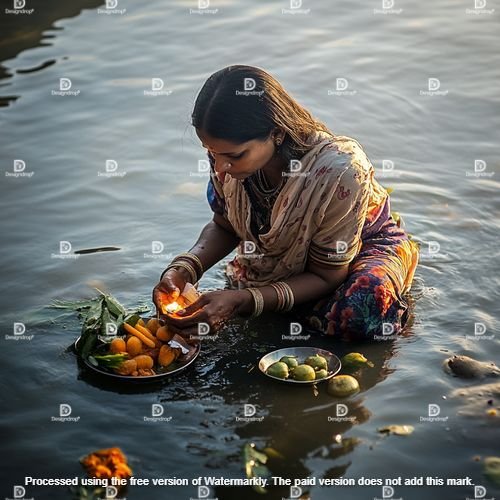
column 438, row 152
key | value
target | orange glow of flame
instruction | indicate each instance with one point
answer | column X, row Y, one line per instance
column 171, row 308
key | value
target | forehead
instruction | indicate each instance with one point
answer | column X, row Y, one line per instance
column 221, row 144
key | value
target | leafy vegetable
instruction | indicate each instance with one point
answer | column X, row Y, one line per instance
column 109, row 360
column 255, row 464
column 96, row 314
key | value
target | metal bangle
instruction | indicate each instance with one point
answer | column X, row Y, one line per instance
column 258, row 301
column 183, row 265
column 190, row 256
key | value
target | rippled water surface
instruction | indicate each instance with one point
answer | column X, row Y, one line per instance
column 433, row 141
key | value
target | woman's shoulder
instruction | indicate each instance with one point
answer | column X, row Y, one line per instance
column 340, row 155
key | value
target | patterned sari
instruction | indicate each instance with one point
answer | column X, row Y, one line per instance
column 333, row 214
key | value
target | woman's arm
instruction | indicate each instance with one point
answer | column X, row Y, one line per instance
column 216, row 240
column 314, row 283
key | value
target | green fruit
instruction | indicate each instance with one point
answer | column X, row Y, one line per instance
column 304, row 373
column 342, row 386
column 317, row 362
column 290, row 361
column 278, row 370
column 321, row 374
column 355, row 360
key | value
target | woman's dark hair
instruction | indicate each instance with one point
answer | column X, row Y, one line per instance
column 225, row 110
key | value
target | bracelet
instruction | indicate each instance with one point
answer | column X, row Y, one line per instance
column 258, row 301
column 285, row 296
column 193, row 259
column 183, row 265
column 186, row 261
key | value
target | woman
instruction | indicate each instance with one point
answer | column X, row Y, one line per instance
column 313, row 227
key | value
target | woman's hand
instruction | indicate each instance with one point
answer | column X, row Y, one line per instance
column 212, row 308
column 169, row 288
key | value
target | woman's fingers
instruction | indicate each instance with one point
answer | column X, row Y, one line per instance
column 199, row 316
column 198, row 304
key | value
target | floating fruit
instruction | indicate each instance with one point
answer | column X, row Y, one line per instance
column 317, row 362
column 321, row 374
column 342, row 386
column 290, row 361
column 304, row 373
column 355, row 360
column 278, row 370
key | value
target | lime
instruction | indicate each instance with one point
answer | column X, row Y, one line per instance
column 290, row 361
column 304, row 373
column 317, row 362
column 278, row 370
column 342, row 386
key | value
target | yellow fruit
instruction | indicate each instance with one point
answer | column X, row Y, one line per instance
column 144, row 361
column 117, row 345
column 163, row 334
column 127, row 367
column 167, row 355
column 342, row 386
column 152, row 325
column 134, row 346
column 304, row 373
column 141, row 322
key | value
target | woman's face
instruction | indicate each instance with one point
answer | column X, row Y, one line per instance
column 245, row 158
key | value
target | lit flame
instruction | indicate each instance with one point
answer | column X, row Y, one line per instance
column 171, row 308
